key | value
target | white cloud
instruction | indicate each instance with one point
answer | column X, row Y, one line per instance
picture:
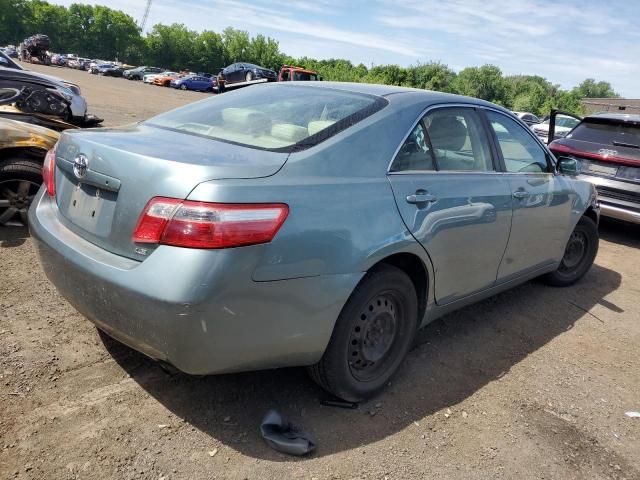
column 563, row 40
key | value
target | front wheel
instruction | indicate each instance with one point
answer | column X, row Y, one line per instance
column 248, row 77
column 183, row 87
column 371, row 337
column 579, row 255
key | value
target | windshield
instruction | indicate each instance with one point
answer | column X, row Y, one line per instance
column 273, row 117
column 562, row 121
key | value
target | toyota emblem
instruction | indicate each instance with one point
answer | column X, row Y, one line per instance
column 80, row 165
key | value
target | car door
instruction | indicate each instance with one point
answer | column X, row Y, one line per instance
column 453, row 200
column 541, row 199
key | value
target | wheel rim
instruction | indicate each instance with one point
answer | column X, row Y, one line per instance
column 575, row 252
column 372, row 337
column 248, row 77
column 15, row 198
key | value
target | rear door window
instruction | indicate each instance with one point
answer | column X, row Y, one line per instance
column 447, row 139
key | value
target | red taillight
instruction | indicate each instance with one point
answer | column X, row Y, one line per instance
column 559, row 149
column 49, row 171
column 185, row 223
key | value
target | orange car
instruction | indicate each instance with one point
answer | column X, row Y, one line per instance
column 165, row 80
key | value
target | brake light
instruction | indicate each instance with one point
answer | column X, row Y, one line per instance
column 49, row 171
column 559, row 148
column 185, row 223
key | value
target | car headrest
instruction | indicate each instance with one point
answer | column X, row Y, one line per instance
column 245, row 120
column 317, row 125
column 288, row 132
column 447, row 133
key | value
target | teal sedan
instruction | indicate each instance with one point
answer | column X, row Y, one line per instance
column 305, row 224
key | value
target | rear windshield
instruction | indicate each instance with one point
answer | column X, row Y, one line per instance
column 304, row 76
column 272, row 117
column 607, row 132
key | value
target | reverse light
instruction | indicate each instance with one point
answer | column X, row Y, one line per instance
column 185, row 223
column 49, row 171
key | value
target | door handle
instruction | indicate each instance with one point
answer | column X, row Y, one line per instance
column 421, row 196
column 520, row 194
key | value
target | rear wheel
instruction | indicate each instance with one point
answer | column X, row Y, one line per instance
column 579, row 255
column 20, row 179
column 249, row 76
column 371, row 337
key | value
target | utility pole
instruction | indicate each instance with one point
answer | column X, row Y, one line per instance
column 144, row 17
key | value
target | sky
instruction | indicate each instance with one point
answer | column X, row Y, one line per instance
column 564, row 41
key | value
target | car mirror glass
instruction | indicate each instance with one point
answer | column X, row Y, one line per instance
column 568, row 166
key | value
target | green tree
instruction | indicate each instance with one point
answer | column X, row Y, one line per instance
column 485, row 82
column 12, row 21
column 237, row 44
column 591, row 89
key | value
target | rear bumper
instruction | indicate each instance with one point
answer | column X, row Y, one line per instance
column 198, row 310
column 618, row 199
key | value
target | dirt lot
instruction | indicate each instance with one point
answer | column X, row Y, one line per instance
column 533, row 383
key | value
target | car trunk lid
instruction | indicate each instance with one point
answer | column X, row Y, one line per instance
column 105, row 177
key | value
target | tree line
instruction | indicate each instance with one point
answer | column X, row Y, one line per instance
column 101, row 32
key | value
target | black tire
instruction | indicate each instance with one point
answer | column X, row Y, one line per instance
column 183, row 87
column 20, row 179
column 362, row 354
column 249, row 76
column 580, row 252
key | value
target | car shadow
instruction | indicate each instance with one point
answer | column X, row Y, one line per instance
column 13, row 236
column 453, row 358
column 617, row 231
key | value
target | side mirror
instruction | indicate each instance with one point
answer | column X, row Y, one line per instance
column 568, row 166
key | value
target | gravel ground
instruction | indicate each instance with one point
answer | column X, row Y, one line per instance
column 533, row 383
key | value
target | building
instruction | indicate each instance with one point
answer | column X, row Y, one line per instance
column 613, row 105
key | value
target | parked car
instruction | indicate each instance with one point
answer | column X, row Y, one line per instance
column 192, row 82
column 14, row 75
column 288, row 73
column 605, row 151
column 139, row 72
column 317, row 224
column 10, row 52
column 246, row 72
column 164, row 80
column 110, row 70
column 528, row 118
column 22, row 151
column 564, row 124
column 59, row 60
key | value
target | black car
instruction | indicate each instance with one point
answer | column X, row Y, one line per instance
column 605, row 149
column 246, row 72
column 138, row 73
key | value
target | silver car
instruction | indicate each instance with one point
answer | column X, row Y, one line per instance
column 316, row 224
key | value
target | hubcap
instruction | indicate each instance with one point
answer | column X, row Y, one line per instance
column 574, row 252
column 372, row 337
column 15, row 198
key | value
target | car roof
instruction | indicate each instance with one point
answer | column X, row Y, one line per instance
column 389, row 91
column 622, row 117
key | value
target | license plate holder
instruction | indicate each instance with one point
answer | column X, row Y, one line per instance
column 86, row 207
column 602, row 169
